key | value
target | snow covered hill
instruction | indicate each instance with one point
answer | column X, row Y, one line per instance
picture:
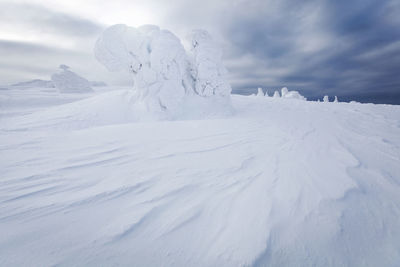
column 280, row 182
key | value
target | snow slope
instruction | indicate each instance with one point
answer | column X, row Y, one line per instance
column 278, row 183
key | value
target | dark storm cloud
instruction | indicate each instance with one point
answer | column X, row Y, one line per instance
column 37, row 17
column 360, row 60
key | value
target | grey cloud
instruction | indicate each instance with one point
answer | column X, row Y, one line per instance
column 25, row 61
column 41, row 19
column 345, row 65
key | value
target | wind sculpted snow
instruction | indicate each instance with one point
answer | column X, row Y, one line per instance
column 278, row 183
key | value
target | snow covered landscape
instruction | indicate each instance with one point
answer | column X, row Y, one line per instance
column 177, row 171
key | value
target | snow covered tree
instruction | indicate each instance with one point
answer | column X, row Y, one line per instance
column 69, row 82
column 155, row 57
column 260, row 92
column 326, row 98
column 207, row 70
column 294, row 95
column 163, row 71
column 284, row 91
column 276, row 94
column 336, row 100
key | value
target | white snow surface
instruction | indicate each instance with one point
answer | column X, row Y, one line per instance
column 276, row 183
column 69, row 82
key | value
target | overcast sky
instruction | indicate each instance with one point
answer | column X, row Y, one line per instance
column 339, row 47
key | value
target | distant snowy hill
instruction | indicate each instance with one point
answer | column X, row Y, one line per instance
column 276, row 182
column 35, row 83
column 68, row 81
column 50, row 84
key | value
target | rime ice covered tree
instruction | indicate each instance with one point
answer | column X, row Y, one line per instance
column 260, row 92
column 67, row 81
column 207, row 69
column 284, row 91
column 155, row 58
column 162, row 70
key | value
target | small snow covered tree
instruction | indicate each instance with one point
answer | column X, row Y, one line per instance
column 326, row 98
column 276, row 94
column 69, row 82
column 260, row 92
column 284, row 91
column 64, row 67
column 336, row 100
column 294, row 95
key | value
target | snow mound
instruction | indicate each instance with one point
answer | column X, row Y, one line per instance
column 69, row 82
column 114, row 107
column 35, row 83
column 163, row 72
column 108, row 108
column 294, row 95
column 291, row 94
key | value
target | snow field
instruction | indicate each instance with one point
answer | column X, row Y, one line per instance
column 276, row 182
